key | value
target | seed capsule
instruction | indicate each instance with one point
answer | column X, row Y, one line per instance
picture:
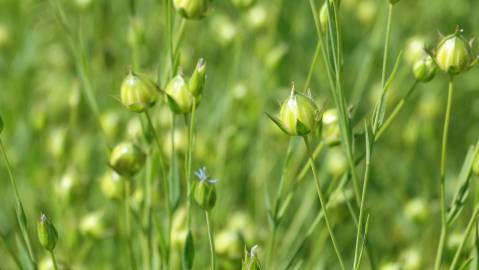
column 47, row 234
column 197, row 80
column 425, row 69
column 205, row 191
column 453, row 55
column 138, row 93
column 191, row 9
column 179, row 97
column 112, row 185
column 251, row 260
column 297, row 116
column 127, row 159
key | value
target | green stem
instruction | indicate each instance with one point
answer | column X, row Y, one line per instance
column 165, row 180
column 322, row 202
column 395, row 112
column 357, row 252
column 20, row 212
column 126, row 205
column 317, row 52
column 442, row 180
column 211, row 240
column 190, row 130
column 54, row 260
column 469, row 227
column 376, row 124
column 278, row 200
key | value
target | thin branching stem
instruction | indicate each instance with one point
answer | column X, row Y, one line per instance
column 468, row 230
column 54, row 260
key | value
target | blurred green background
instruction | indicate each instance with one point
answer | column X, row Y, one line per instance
column 253, row 54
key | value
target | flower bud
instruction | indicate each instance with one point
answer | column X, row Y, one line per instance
column 191, row 9
column 205, row 191
column 179, row 97
column 1, row 125
column 251, row 260
column 297, row 116
column 425, row 69
column 197, row 80
column 112, row 185
column 47, row 234
column 138, row 93
column 127, row 159
column 453, row 55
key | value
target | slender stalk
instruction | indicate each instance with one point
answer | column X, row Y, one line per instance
column 317, row 51
column 21, row 217
column 469, row 227
column 126, row 205
column 54, row 260
column 279, row 196
column 376, row 124
column 395, row 112
column 211, row 240
column 190, row 130
column 322, row 202
column 357, row 252
column 442, row 180
column 165, row 181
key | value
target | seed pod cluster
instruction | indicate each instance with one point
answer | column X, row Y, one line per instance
column 181, row 95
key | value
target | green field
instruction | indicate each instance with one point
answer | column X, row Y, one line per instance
column 239, row 134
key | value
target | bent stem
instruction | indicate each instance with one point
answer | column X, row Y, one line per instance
column 54, row 260
column 442, row 180
column 322, row 202
column 21, row 217
column 212, row 241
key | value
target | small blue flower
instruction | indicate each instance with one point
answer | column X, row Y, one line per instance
column 203, row 176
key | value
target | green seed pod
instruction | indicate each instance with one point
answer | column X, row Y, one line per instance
column 191, row 9
column 251, row 260
column 93, row 224
column 47, row 234
column 112, row 185
column 297, row 116
column 205, row 191
column 179, row 97
column 127, row 159
column 197, row 80
column 425, row 69
column 453, row 55
column 230, row 244
column 138, row 93
column 1, row 125
column 324, row 17
column 330, row 126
